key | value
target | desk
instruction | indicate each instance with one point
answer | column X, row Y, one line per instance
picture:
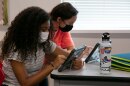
column 90, row 75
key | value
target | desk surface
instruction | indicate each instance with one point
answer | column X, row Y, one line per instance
column 91, row 72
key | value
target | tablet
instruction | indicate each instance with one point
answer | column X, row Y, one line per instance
column 94, row 54
column 75, row 53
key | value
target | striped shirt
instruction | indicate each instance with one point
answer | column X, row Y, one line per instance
column 32, row 65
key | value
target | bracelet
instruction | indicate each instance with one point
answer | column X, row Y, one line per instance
column 52, row 65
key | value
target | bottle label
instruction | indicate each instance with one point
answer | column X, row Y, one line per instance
column 105, row 59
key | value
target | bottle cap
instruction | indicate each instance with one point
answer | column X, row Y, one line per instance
column 106, row 36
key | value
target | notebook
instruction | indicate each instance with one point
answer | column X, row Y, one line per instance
column 122, row 57
column 121, row 61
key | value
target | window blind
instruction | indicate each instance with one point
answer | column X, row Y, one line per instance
column 102, row 14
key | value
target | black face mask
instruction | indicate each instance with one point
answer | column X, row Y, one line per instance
column 67, row 28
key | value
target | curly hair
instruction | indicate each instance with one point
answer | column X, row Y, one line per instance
column 23, row 34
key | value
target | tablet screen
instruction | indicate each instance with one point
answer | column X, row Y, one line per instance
column 75, row 53
column 94, row 54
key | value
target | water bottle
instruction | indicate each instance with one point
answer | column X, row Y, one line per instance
column 105, row 54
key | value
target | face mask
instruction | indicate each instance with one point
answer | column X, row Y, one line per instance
column 67, row 28
column 44, row 36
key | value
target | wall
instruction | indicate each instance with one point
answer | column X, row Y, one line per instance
column 15, row 6
column 120, row 41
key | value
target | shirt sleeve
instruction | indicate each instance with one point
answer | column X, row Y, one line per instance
column 14, row 56
column 53, row 47
column 50, row 48
column 67, row 40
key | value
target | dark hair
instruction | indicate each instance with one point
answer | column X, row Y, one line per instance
column 24, row 33
column 64, row 10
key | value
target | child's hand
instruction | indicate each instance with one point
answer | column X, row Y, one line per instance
column 58, row 61
column 78, row 64
column 87, row 50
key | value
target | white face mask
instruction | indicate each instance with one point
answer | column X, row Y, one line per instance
column 44, row 36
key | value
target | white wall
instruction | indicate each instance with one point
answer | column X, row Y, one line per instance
column 120, row 40
column 119, row 45
column 15, row 6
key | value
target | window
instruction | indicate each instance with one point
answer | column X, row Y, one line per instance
column 102, row 14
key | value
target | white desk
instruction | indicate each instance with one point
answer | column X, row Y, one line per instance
column 90, row 76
